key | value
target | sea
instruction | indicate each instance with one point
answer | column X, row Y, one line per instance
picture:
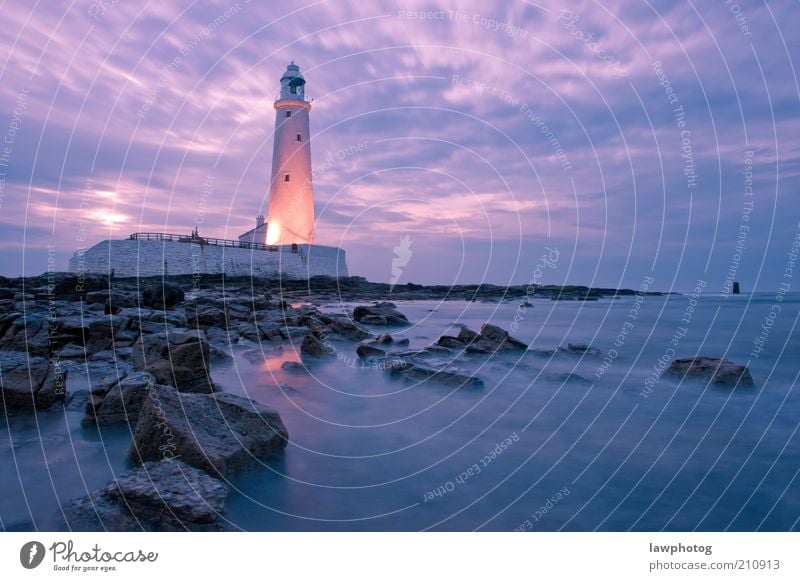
column 555, row 440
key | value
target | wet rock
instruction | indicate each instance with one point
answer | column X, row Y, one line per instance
column 580, row 349
column 30, row 382
column 365, row 351
column 450, row 342
column 170, row 495
column 185, row 365
column 384, row 314
column 291, row 332
column 29, row 333
column 203, row 316
column 347, row 329
column 97, row 512
column 313, row 347
column 292, row 366
column 712, row 369
column 77, row 400
column 220, row 433
column 501, row 338
column 122, row 403
column 422, row 374
column 491, row 339
column 572, row 378
column 167, row 495
column 53, row 388
column 95, row 332
column 76, row 287
column 72, row 351
column 161, row 295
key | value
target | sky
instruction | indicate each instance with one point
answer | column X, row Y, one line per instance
column 596, row 143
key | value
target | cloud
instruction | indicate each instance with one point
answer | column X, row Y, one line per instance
column 492, row 128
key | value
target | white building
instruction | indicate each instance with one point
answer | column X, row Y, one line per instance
column 281, row 245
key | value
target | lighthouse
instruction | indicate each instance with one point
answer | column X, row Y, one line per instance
column 290, row 217
column 281, row 244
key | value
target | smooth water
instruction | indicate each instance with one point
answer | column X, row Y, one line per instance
column 552, row 442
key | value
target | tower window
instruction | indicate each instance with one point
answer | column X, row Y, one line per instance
column 286, row 177
column 299, row 137
column 288, row 113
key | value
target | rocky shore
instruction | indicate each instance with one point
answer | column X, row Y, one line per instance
column 147, row 346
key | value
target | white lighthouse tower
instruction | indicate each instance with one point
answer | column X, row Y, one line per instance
column 290, row 218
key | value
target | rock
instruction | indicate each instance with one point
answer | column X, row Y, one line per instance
column 170, row 495
column 491, row 338
column 450, row 342
column 347, row 329
column 77, row 400
column 162, row 295
column 220, row 433
column 501, row 338
column 29, row 333
column 112, row 299
column 313, row 347
column 203, row 316
column 53, row 388
column 290, row 332
column 467, row 335
column 580, row 349
column 712, row 369
column 158, row 496
column 30, row 382
column 365, row 351
column 573, row 378
column 420, row 374
column 292, row 366
column 122, row 404
column 385, row 314
column 97, row 512
column 96, row 332
column 72, row 351
column 185, row 366
column 75, row 287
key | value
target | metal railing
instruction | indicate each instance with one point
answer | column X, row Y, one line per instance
column 202, row 240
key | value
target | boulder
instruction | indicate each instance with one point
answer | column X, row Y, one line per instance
column 580, row 349
column 161, row 295
column 491, row 339
column 313, row 347
column 122, row 403
column 501, row 338
column 384, row 314
column 365, row 351
column 292, row 366
column 158, row 496
column 347, row 329
column 450, row 342
column 95, row 332
column 75, row 287
column 220, row 433
column 95, row 513
column 169, row 495
column 711, row 369
column 420, row 374
column 185, row 365
column 30, row 382
column 204, row 315
column 30, row 333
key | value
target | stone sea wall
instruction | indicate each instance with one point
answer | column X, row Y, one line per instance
column 159, row 257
